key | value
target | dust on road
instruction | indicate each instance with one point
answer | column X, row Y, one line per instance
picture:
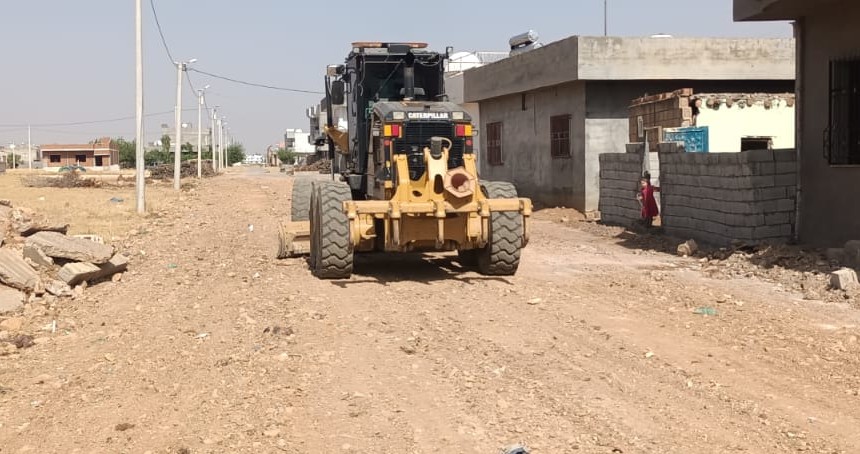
column 210, row 345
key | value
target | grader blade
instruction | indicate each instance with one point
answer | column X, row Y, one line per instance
column 294, row 239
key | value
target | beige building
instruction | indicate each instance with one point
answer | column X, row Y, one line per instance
column 101, row 153
column 828, row 113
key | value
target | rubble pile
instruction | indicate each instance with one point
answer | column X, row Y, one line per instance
column 322, row 166
column 40, row 262
column 187, row 169
column 805, row 271
column 72, row 179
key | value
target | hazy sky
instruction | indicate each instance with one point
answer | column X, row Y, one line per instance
column 65, row 61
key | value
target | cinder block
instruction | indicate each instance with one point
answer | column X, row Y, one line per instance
column 773, row 231
column 785, row 155
column 757, row 155
column 776, row 218
column 789, row 179
column 844, row 279
column 773, row 193
column 763, row 181
column 764, row 168
column 787, row 205
column 728, row 158
column 635, row 148
column 786, row 167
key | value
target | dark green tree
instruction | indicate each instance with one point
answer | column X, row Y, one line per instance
column 165, row 143
column 287, row 155
column 235, row 153
column 127, row 152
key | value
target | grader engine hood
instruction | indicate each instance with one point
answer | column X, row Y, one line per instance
column 419, row 122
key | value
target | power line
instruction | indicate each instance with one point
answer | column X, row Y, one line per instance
column 90, row 122
column 101, row 133
column 161, row 33
column 254, row 84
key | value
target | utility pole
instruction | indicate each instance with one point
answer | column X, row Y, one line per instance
column 181, row 67
column 177, row 146
column 140, row 180
column 29, row 149
column 223, row 155
column 213, row 132
column 200, row 101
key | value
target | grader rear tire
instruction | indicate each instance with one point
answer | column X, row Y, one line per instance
column 501, row 256
column 331, row 251
column 300, row 206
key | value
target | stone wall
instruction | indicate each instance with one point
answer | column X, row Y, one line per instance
column 619, row 181
column 720, row 197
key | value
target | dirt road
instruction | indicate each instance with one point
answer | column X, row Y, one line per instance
column 210, row 346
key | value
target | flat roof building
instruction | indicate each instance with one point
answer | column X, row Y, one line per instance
column 547, row 114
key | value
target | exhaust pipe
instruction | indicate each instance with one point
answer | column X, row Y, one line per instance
column 409, row 82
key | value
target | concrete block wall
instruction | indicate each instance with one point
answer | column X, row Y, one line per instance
column 619, row 181
column 666, row 110
column 720, row 197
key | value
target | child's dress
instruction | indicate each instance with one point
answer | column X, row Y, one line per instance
column 649, row 203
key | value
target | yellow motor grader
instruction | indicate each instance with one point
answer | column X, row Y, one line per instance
column 404, row 176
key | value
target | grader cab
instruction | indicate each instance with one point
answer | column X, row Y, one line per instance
column 404, row 175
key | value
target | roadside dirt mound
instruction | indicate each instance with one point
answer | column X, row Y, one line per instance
column 70, row 179
column 187, row 169
column 322, row 166
column 797, row 269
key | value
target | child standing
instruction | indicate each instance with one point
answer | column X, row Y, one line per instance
column 647, row 201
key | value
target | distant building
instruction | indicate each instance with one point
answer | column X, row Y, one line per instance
column 547, row 114
column 101, row 153
column 254, row 159
column 299, row 142
column 722, row 122
column 189, row 135
column 828, row 93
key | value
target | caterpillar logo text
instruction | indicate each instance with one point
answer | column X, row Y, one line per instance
column 428, row 115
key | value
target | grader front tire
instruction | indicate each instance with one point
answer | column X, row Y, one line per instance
column 331, row 251
column 501, row 256
column 300, row 205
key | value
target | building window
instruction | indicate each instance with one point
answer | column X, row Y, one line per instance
column 494, row 144
column 756, row 143
column 55, row 158
column 559, row 136
column 843, row 144
column 80, row 158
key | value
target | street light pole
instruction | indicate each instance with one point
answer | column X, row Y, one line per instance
column 200, row 94
column 140, row 180
column 181, row 67
column 605, row 17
